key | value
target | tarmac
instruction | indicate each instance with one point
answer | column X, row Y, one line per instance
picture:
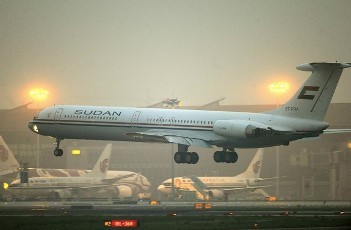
column 239, row 208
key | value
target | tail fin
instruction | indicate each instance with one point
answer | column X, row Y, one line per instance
column 312, row 100
column 8, row 162
column 254, row 168
column 101, row 166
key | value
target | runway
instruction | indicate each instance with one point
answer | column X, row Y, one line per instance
column 242, row 208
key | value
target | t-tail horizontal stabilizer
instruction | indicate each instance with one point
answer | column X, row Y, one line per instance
column 312, row 99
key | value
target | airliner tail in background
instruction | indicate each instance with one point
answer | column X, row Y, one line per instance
column 101, row 166
column 8, row 164
column 254, row 169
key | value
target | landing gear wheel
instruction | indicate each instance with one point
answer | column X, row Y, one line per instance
column 58, row 152
column 191, row 158
column 228, row 157
column 217, row 156
column 179, row 157
column 225, row 156
column 234, row 157
column 194, row 158
column 186, row 157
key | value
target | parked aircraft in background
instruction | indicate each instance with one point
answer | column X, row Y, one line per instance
column 219, row 188
column 301, row 117
column 130, row 185
column 66, row 187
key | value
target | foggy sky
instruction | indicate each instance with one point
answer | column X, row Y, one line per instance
column 136, row 53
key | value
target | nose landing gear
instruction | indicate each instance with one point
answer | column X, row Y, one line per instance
column 58, row 152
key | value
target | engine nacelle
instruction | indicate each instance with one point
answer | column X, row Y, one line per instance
column 62, row 193
column 124, row 192
column 241, row 129
column 215, row 194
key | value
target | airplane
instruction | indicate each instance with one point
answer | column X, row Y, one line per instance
column 130, row 185
column 301, row 117
column 64, row 187
column 219, row 187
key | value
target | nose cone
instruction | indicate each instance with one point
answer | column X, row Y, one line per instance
column 15, row 183
column 32, row 127
column 160, row 188
column 163, row 189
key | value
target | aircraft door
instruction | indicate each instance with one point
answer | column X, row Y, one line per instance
column 57, row 117
column 135, row 118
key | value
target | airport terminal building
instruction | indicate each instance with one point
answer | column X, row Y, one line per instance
column 317, row 169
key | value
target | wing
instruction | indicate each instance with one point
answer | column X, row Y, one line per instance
column 336, row 131
column 176, row 137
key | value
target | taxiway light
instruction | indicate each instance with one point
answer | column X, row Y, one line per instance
column 76, row 151
column 6, row 185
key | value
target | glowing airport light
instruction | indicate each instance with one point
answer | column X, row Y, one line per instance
column 279, row 87
column 39, row 94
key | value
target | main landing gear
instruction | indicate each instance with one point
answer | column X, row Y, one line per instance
column 58, row 152
column 183, row 156
column 228, row 155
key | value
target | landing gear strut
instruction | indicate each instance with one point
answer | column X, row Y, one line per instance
column 228, row 155
column 58, row 152
column 183, row 156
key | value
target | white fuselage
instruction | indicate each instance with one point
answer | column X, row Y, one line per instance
column 115, row 123
column 138, row 182
column 184, row 183
column 59, row 182
column 45, row 182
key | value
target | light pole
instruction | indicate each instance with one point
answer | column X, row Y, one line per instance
column 38, row 95
column 278, row 88
column 172, row 103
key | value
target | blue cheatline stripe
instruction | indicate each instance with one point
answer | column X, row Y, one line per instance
column 124, row 124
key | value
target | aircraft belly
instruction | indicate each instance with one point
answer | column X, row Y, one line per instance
column 162, row 135
column 258, row 142
column 97, row 132
column 90, row 132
